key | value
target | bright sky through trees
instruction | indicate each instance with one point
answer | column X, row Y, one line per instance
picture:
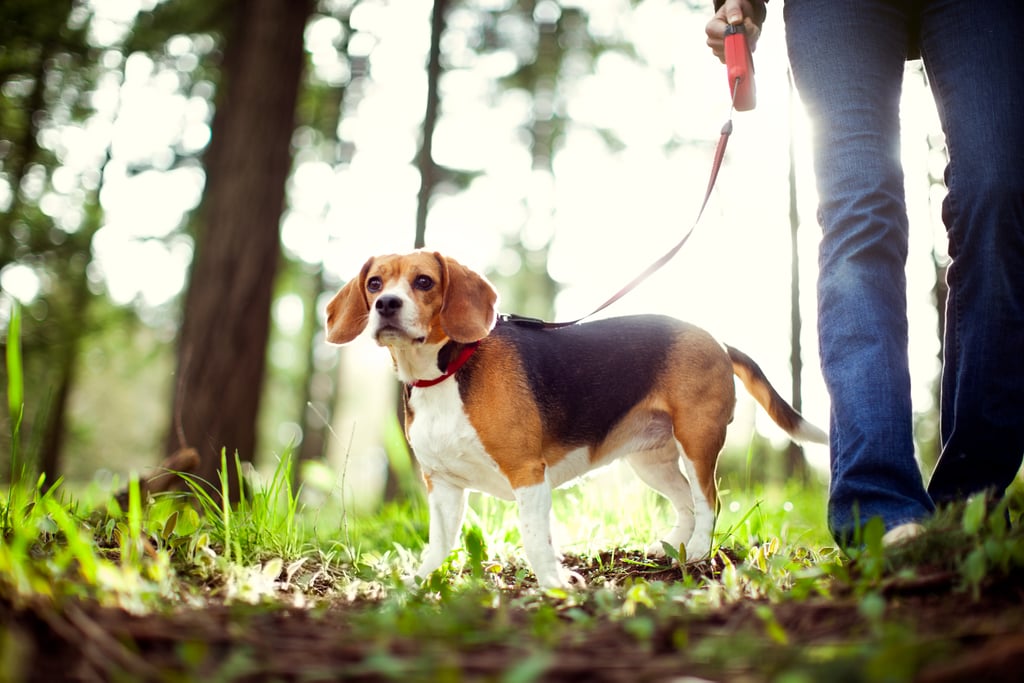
column 607, row 214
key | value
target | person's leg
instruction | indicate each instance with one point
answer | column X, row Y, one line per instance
column 974, row 57
column 847, row 60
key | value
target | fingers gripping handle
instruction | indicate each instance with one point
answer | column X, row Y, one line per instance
column 740, row 68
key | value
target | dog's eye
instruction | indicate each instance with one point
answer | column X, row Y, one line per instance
column 423, row 282
column 374, row 284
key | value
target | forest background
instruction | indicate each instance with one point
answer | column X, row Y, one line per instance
column 183, row 184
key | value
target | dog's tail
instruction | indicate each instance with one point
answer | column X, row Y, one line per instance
column 778, row 409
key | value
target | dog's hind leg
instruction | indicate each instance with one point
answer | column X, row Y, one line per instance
column 659, row 469
column 705, row 503
column 447, row 504
column 700, row 455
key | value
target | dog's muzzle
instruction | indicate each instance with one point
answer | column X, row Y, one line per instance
column 391, row 329
column 388, row 306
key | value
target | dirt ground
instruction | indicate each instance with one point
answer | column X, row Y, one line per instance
column 955, row 637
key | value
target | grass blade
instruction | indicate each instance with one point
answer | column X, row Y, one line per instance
column 15, row 374
column 16, row 407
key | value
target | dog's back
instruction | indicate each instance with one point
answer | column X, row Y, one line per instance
column 585, row 378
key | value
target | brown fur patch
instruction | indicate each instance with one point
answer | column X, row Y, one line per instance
column 504, row 414
column 702, row 404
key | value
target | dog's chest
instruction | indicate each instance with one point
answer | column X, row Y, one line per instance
column 447, row 446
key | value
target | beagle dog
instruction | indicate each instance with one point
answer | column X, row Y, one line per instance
column 516, row 410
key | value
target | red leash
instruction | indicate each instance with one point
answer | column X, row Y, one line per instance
column 740, row 68
column 716, row 165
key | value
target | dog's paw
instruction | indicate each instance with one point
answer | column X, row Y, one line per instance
column 698, row 548
column 655, row 550
column 571, row 579
column 659, row 550
column 561, row 579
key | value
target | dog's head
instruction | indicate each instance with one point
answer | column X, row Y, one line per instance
column 414, row 298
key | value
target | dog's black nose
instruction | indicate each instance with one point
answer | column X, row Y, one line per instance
column 388, row 305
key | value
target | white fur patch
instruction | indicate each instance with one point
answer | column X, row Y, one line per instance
column 699, row 545
column 574, row 465
column 408, row 317
column 446, row 445
column 447, row 505
column 535, row 527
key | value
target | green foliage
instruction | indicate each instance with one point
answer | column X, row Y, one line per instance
column 272, row 551
column 51, row 551
column 15, row 374
column 16, row 409
column 993, row 549
column 269, row 548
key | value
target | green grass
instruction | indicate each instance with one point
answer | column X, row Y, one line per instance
column 774, row 565
column 272, row 551
column 270, row 538
column 160, row 546
column 775, row 537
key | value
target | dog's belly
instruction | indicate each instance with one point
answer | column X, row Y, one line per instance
column 647, row 433
column 572, row 466
column 447, row 446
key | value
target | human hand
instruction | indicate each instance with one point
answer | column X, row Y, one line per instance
column 734, row 12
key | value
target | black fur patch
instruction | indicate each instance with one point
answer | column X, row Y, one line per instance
column 586, row 377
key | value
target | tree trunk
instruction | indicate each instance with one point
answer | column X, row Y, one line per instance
column 795, row 463
column 320, row 395
column 931, row 447
column 223, row 339
column 429, row 176
column 425, row 158
column 55, row 423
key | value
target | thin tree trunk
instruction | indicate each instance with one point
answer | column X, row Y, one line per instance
column 223, row 340
column 24, row 152
column 320, row 394
column 425, row 157
column 55, row 426
column 75, row 324
column 796, row 463
column 428, row 181
column 940, row 294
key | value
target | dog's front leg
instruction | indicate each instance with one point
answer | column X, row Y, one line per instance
column 447, row 505
column 535, row 527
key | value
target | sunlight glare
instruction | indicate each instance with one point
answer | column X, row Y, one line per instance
column 605, row 211
column 21, row 282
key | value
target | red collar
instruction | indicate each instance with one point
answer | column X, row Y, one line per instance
column 453, row 367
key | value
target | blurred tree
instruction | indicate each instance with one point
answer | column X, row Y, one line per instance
column 429, row 170
column 433, row 176
column 929, row 439
column 222, row 344
column 794, row 463
column 542, row 35
column 48, row 74
column 560, row 49
column 321, row 108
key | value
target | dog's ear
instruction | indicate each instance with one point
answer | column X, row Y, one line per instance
column 349, row 310
column 470, row 302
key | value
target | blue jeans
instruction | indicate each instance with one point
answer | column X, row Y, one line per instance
column 848, row 58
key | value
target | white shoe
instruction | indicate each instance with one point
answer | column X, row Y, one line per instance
column 903, row 533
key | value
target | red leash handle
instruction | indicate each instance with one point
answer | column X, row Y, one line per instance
column 740, row 67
